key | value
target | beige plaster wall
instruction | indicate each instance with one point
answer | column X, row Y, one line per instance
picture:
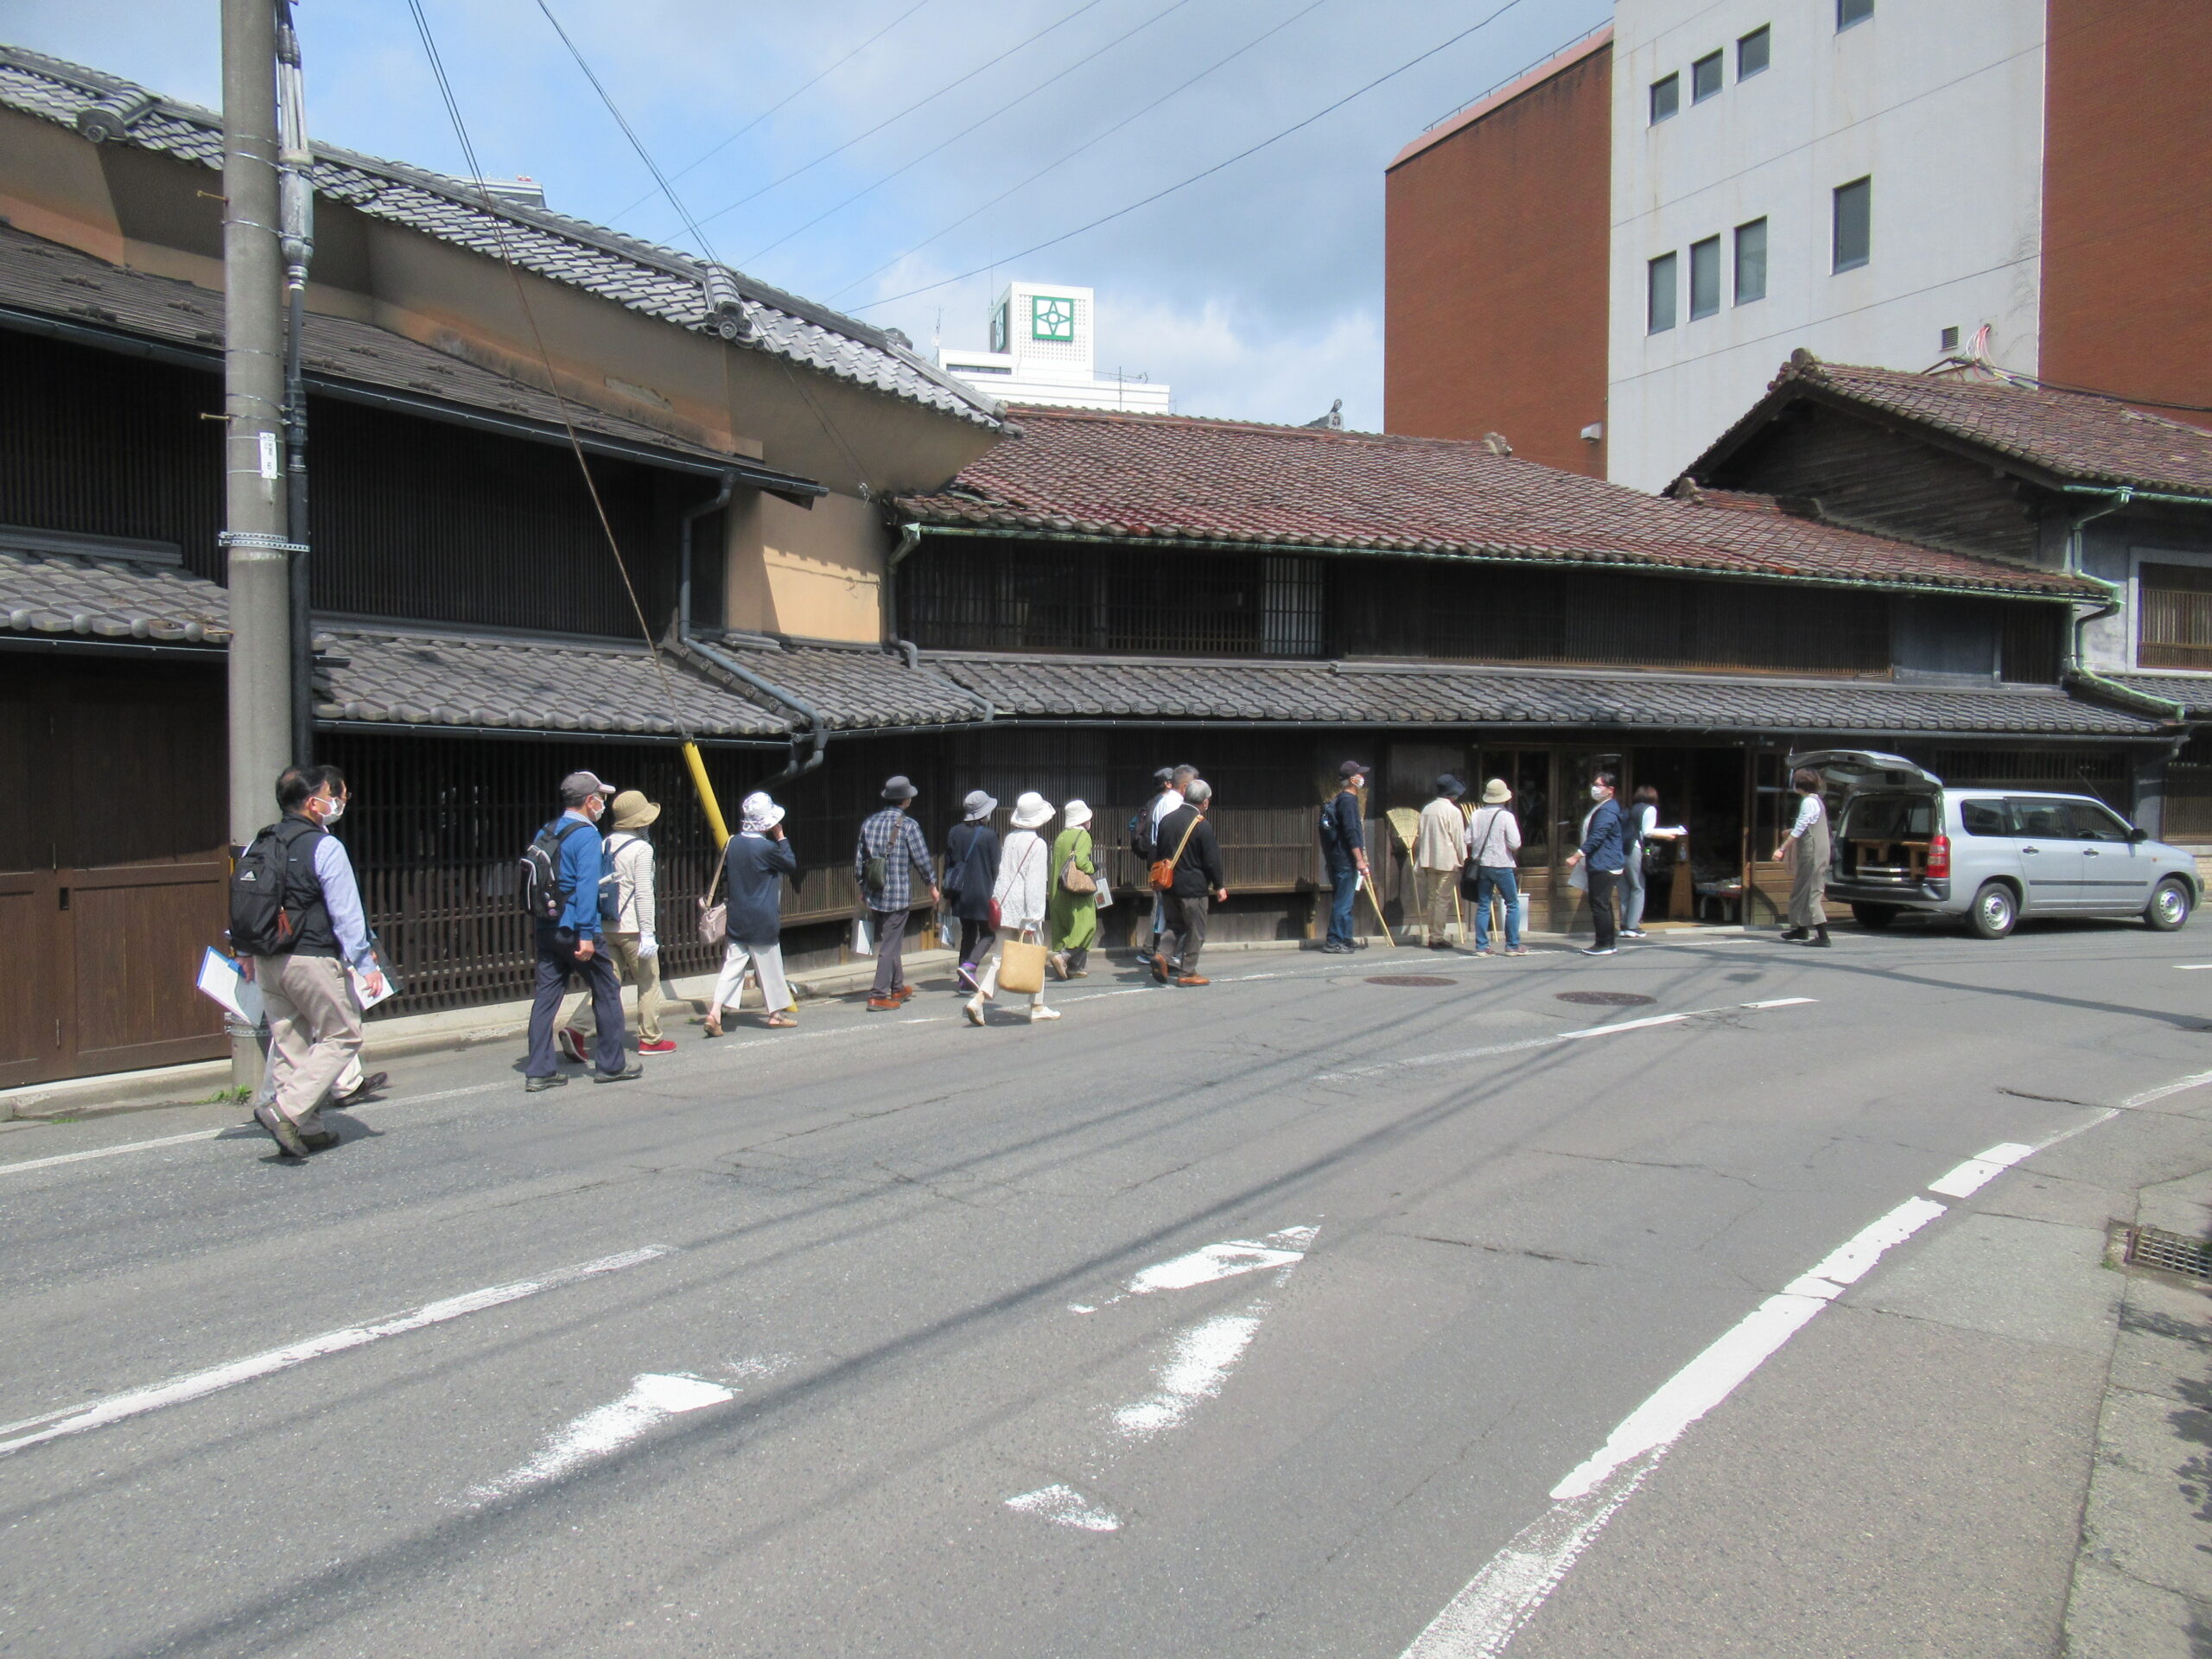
column 816, row 573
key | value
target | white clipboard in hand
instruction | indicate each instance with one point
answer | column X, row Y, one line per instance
column 221, row 979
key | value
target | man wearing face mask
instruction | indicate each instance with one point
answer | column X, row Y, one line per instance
column 1604, row 848
column 315, row 1024
column 570, row 945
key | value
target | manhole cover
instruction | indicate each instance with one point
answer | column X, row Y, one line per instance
column 2152, row 1247
column 1607, row 999
column 1410, row 979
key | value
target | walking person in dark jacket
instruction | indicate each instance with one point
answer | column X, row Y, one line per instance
column 1604, row 849
column 1344, row 845
column 971, row 870
column 891, row 848
column 755, row 864
column 1199, row 883
column 569, row 943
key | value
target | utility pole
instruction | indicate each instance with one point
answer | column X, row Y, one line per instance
column 255, row 526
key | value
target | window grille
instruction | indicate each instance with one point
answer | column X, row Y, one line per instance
column 2173, row 607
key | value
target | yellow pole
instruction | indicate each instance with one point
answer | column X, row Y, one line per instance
column 699, row 781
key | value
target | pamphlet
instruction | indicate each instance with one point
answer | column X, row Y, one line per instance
column 221, row 978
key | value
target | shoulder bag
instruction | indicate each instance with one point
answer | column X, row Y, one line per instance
column 1163, row 870
column 1074, row 879
column 714, row 918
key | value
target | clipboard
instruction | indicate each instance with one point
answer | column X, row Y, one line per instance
column 222, row 980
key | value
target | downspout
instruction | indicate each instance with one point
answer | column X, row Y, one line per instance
column 815, row 737
column 910, row 537
column 2076, row 672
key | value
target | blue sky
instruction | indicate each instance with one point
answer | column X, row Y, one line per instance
column 1257, row 292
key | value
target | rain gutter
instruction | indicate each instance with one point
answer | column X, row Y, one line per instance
column 910, row 537
column 2076, row 671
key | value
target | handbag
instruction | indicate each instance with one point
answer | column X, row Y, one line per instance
column 1021, row 965
column 1073, row 880
column 1163, row 869
column 714, row 919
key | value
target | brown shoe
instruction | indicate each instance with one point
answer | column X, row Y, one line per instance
column 885, row 1004
column 904, row 993
column 1160, row 968
column 1194, row 979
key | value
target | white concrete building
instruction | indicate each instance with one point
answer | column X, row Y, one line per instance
column 1042, row 352
column 1863, row 178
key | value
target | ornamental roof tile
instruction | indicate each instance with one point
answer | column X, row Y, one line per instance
column 2080, row 438
column 641, row 276
column 1173, row 479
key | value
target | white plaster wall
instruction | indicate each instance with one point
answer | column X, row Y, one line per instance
column 1941, row 101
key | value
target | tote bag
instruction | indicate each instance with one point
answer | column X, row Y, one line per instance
column 1021, row 965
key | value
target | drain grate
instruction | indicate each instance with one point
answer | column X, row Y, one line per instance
column 1607, row 999
column 1418, row 981
column 2152, row 1247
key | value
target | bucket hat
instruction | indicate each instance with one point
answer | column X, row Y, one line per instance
column 1030, row 810
column 899, row 789
column 632, row 811
column 1447, row 785
column 1075, row 814
column 978, row 806
column 1494, row 793
column 757, row 813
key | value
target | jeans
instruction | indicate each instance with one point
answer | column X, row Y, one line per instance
column 890, row 951
column 1506, row 885
column 1604, row 886
column 1632, row 891
column 1344, row 893
column 557, row 960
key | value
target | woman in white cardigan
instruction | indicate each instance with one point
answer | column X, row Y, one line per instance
column 1024, row 880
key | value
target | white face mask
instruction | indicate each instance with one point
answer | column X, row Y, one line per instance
column 595, row 813
column 333, row 812
column 1597, row 791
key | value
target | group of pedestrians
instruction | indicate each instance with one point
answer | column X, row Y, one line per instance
column 1473, row 858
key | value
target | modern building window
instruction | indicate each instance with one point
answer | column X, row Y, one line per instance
column 1750, row 262
column 1948, row 341
column 1751, row 52
column 1666, row 98
column 2173, row 609
column 1660, row 283
column 1854, row 224
column 1704, row 277
column 1848, row 12
column 1705, row 77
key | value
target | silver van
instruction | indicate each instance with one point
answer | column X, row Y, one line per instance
column 1903, row 844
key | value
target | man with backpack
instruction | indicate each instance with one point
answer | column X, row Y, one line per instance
column 560, row 878
column 297, row 924
column 627, row 910
column 1169, row 783
column 1343, row 847
column 1190, row 858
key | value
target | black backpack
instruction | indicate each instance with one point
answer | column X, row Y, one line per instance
column 265, row 903
column 1140, row 839
column 543, row 898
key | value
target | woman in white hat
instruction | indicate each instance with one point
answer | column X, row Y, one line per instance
column 1025, row 871
column 1073, row 911
column 757, row 861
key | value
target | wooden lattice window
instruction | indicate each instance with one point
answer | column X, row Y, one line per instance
column 2173, row 610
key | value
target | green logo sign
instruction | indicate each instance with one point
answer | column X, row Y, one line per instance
column 1052, row 319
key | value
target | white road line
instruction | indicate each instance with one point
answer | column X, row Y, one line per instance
column 2196, row 1081
column 114, row 1152
column 1064, row 1506
column 652, row 1398
column 1979, row 1170
column 2191, row 967
column 1452, row 1056
column 136, row 1402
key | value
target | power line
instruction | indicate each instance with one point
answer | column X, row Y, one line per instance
column 1207, row 172
column 887, row 120
column 1096, row 139
column 1089, row 58
column 709, row 154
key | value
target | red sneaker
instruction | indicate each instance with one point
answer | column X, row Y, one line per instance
column 572, row 1044
column 666, row 1045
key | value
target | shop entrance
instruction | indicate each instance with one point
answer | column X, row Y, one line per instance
column 1701, row 877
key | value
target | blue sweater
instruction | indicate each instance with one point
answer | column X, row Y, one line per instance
column 580, row 874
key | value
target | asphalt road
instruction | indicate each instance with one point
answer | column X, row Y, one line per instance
column 890, row 1336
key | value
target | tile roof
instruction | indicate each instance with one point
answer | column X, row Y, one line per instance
column 2075, row 437
column 1172, row 478
column 641, row 276
column 54, row 280
column 857, row 688
column 1378, row 694
column 93, row 597
column 421, row 677
column 2192, row 691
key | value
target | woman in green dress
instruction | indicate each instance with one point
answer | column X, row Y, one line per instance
column 1072, row 918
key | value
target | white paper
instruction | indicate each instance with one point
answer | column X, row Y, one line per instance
column 221, row 979
column 361, row 985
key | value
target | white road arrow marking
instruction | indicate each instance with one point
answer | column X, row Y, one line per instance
column 653, row 1398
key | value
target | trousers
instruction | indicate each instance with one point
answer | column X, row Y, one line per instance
column 890, row 950
column 557, row 960
column 1505, row 883
column 314, row 1027
column 1633, row 884
column 1442, row 902
column 1344, row 893
column 1187, row 930
column 1604, row 885
column 643, row 971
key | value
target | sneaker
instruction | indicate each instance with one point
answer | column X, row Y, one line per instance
column 1634, row 933
column 1193, row 979
column 539, row 1086
column 963, row 979
column 571, row 1039
column 885, row 1004
column 1516, row 950
column 1040, row 1012
column 974, row 1007
column 1797, row 936
column 1484, row 950
column 658, row 1045
column 363, row 1090
column 1819, row 940
column 1359, row 944
column 1335, row 948
column 282, row 1130
column 1601, row 951
column 629, row 1073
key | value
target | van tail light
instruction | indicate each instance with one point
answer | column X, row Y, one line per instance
column 1939, row 859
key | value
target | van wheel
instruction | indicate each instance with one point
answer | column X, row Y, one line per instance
column 1874, row 917
column 1994, row 910
column 2169, row 906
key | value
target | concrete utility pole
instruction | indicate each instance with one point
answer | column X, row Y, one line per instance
column 253, row 405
